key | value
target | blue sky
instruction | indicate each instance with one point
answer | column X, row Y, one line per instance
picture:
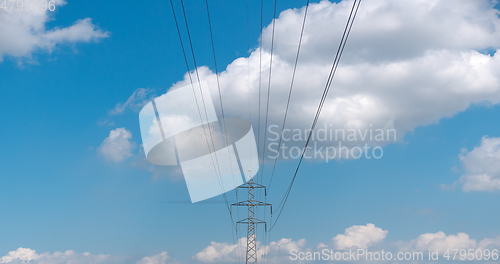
column 59, row 193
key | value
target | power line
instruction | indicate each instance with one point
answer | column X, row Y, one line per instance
column 260, row 97
column 267, row 108
column 182, row 44
column 202, row 97
column 201, row 91
column 269, row 86
column 289, row 92
column 267, row 103
column 219, row 90
column 320, row 106
column 340, row 50
column 212, row 42
column 268, row 233
column 215, row 62
column 260, row 79
column 179, row 35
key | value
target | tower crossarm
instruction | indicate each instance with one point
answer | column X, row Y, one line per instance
column 251, row 203
column 251, row 221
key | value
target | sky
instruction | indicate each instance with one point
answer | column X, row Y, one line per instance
column 76, row 185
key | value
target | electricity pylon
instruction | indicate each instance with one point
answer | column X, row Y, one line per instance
column 251, row 221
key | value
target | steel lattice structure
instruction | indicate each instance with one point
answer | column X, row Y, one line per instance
column 251, row 221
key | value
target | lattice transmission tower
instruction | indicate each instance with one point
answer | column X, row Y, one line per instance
column 251, row 221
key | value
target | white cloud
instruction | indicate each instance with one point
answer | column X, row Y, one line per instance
column 274, row 252
column 222, row 252
column 117, row 146
column 20, row 254
column 389, row 30
column 407, row 64
column 482, row 166
column 160, row 258
column 23, row 30
column 450, row 243
column 490, row 242
column 359, row 236
column 441, row 242
column 26, row 255
column 356, row 236
column 280, row 251
column 135, row 101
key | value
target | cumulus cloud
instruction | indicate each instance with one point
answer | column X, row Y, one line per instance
column 26, row 255
column 359, row 236
column 490, row 242
column 482, row 166
column 441, row 242
column 407, row 64
column 274, row 252
column 356, row 236
column 117, row 146
column 160, row 258
column 279, row 251
column 20, row 254
column 222, row 252
column 23, row 30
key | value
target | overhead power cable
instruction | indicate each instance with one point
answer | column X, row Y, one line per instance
column 212, row 42
column 268, row 233
column 216, row 165
column 215, row 64
column 269, row 86
column 260, row 79
column 267, row 109
column 204, row 105
column 289, row 93
column 333, row 70
column 182, row 46
column 203, row 99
